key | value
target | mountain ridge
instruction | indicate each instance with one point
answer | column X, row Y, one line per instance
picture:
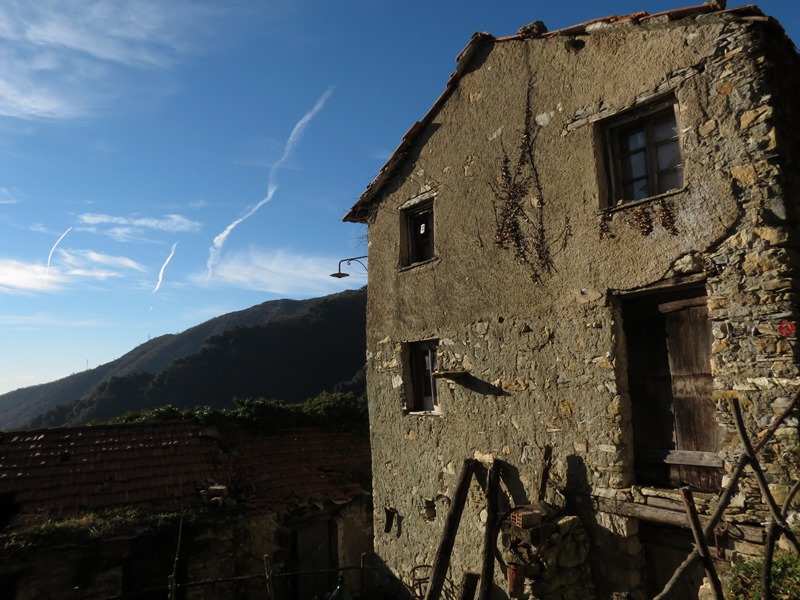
column 25, row 407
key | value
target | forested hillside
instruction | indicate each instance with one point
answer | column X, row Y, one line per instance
column 285, row 350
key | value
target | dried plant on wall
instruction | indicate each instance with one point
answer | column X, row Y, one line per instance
column 642, row 217
column 518, row 187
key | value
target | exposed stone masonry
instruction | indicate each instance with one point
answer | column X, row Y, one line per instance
column 525, row 364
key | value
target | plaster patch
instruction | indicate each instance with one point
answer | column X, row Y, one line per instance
column 543, row 120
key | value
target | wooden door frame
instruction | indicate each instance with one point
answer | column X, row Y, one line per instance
column 660, row 458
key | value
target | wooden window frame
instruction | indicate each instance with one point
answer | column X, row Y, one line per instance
column 421, row 375
column 416, row 250
column 646, row 115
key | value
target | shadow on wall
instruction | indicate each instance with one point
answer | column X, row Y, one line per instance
column 479, row 386
column 383, row 585
column 577, row 501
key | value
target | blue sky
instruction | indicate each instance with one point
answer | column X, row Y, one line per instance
column 166, row 162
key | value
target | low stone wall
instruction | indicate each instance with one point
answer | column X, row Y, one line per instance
column 546, row 556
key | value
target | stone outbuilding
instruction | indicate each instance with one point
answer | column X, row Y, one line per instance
column 587, row 247
column 182, row 509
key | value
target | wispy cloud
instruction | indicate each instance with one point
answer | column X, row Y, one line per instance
column 88, row 263
column 297, row 134
column 272, row 184
column 164, row 267
column 219, row 241
column 133, row 228
column 8, row 196
column 72, row 267
column 280, row 272
column 21, row 277
column 59, row 62
column 53, row 249
column 40, row 321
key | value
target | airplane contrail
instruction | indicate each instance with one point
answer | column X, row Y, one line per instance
column 164, row 266
column 294, row 138
column 53, row 249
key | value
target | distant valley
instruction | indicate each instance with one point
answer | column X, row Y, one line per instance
column 287, row 350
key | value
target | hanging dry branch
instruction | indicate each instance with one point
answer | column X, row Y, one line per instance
column 766, row 493
column 725, row 498
column 769, row 544
column 700, row 542
column 516, row 229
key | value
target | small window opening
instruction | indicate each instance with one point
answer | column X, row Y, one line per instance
column 419, row 233
column 422, row 366
column 9, row 507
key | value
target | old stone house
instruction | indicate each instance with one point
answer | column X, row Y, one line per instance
column 131, row 510
column 588, row 243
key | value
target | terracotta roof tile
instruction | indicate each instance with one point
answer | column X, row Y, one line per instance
column 165, row 466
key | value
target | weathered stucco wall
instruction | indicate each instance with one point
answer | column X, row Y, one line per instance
column 543, row 343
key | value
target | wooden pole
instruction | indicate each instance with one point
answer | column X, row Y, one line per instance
column 442, row 560
column 544, row 474
column 769, row 546
column 489, row 533
column 700, row 542
column 766, row 494
column 725, row 498
column 469, row 583
column 766, row 565
column 268, row 577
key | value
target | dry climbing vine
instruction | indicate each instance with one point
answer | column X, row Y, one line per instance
column 604, row 225
column 517, row 185
column 642, row 218
column 666, row 217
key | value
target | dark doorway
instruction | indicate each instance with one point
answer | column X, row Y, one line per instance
column 8, row 586
column 676, row 434
column 8, row 508
column 316, row 559
column 665, row 548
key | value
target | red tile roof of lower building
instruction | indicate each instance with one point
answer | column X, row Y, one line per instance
column 169, row 466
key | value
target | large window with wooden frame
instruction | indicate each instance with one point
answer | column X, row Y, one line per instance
column 675, row 430
column 421, row 367
column 643, row 153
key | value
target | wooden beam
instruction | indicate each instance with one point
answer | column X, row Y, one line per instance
column 725, row 497
column 544, row 473
column 490, row 533
column 693, row 458
column 701, row 544
column 749, row 533
column 666, row 307
column 469, row 583
column 442, row 561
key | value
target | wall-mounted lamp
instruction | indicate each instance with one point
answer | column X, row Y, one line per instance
column 339, row 273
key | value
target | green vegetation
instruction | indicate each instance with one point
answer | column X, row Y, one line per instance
column 332, row 410
column 744, row 578
column 87, row 527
